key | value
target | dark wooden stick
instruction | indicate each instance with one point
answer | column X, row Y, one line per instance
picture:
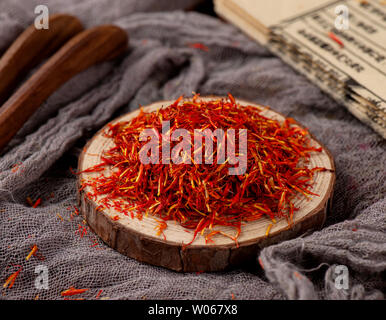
column 32, row 47
column 84, row 50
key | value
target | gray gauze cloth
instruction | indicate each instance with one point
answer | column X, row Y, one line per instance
column 162, row 64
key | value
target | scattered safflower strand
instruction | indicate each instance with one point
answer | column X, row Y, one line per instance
column 72, row 291
column 11, row 279
column 33, row 251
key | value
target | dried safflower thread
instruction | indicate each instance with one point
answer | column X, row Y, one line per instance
column 99, row 294
column 268, row 229
column 34, row 204
column 203, row 196
column 12, row 278
column 17, row 166
column 72, row 291
column 36, row 253
column 34, row 249
column 37, row 203
column 81, row 230
column 29, row 201
column 335, row 38
column 199, row 46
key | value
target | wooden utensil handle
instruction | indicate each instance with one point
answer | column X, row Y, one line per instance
column 84, row 50
column 32, row 47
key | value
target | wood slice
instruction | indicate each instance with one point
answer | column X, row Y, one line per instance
column 138, row 238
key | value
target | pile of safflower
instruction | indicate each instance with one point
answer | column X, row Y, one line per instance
column 198, row 195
